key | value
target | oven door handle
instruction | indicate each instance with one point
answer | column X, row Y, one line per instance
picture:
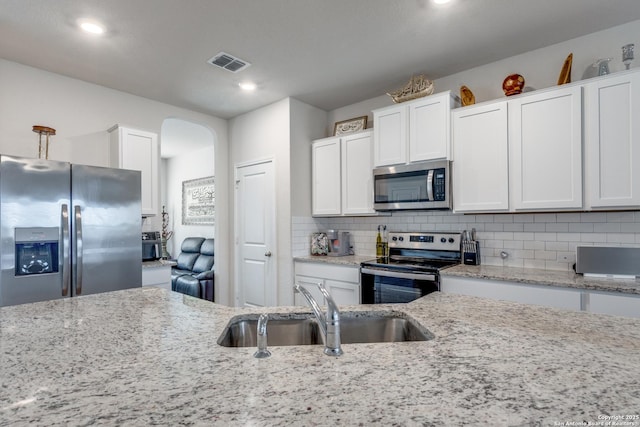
column 396, row 274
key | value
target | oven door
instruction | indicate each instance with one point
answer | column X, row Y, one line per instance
column 381, row 286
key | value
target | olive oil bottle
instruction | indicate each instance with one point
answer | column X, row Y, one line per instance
column 379, row 247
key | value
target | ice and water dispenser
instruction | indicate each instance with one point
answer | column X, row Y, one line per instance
column 36, row 250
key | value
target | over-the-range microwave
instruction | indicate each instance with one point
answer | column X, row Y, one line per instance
column 424, row 185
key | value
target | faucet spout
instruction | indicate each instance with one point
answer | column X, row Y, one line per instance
column 329, row 324
column 262, row 351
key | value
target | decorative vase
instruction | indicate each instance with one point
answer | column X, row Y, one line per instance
column 513, row 84
column 165, row 253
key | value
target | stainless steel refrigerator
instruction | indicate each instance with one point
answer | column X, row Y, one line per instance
column 67, row 230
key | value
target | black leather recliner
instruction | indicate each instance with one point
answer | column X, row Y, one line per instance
column 194, row 273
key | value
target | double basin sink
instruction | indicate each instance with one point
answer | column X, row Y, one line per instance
column 302, row 329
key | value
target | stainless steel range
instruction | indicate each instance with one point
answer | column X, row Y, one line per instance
column 412, row 268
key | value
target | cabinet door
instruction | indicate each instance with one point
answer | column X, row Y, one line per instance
column 545, row 148
column 343, row 293
column 138, row 150
column 390, row 136
column 310, row 284
column 480, row 159
column 326, row 177
column 615, row 305
column 429, row 128
column 547, row 296
column 612, row 142
column 357, row 175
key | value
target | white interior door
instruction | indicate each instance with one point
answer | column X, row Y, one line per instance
column 255, row 235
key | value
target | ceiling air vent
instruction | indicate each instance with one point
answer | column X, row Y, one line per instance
column 228, row 62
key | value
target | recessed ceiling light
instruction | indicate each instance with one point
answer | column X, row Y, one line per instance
column 247, row 86
column 441, row 1
column 91, row 27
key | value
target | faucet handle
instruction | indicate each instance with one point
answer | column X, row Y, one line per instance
column 262, row 351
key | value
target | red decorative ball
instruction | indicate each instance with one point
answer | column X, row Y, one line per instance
column 513, row 84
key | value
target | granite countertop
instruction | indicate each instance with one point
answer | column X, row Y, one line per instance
column 149, row 356
column 159, row 263
column 353, row 260
column 567, row 279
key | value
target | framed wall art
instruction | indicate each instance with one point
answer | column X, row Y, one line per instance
column 198, row 201
column 348, row 126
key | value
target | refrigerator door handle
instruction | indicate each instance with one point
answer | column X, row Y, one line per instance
column 66, row 265
column 78, row 251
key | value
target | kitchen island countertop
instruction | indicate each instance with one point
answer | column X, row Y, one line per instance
column 149, row 356
column 349, row 260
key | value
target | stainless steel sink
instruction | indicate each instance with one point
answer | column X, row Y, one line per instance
column 355, row 327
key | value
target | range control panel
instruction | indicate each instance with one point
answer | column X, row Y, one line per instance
column 419, row 240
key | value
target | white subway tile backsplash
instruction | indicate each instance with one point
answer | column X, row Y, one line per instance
column 558, row 227
column 606, row 227
column 532, row 240
column 568, row 217
column 533, row 227
column 556, row 246
column 578, row 227
column 523, row 218
column 620, row 217
column 536, row 245
column 545, row 217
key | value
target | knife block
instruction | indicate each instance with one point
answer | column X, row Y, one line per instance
column 471, row 253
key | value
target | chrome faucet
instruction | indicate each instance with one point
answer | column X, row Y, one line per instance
column 262, row 351
column 329, row 324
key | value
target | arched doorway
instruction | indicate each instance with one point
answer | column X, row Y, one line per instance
column 187, row 157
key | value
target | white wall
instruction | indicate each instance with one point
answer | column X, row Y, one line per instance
column 259, row 135
column 545, row 240
column 282, row 131
column 540, row 68
column 191, row 165
column 81, row 113
column 307, row 124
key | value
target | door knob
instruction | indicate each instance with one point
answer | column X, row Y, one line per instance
column 268, row 253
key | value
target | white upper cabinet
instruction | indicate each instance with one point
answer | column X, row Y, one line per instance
column 357, row 174
column 545, row 148
column 138, row 150
column 326, row 169
column 612, row 142
column 342, row 175
column 390, row 136
column 480, row 153
column 414, row 131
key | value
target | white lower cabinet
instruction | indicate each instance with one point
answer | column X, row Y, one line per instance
column 159, row 276
column 548, row 296
column 614, row 304
column 342, row 282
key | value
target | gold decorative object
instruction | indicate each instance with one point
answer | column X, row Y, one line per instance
column 466, row 96
column 565, row 73
column 348, row 126
column 43, row 130
column 417, row 87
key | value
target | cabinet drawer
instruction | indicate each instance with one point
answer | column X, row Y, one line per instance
column 343, row 273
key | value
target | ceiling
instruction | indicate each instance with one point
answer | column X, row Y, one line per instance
column 327, row 53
